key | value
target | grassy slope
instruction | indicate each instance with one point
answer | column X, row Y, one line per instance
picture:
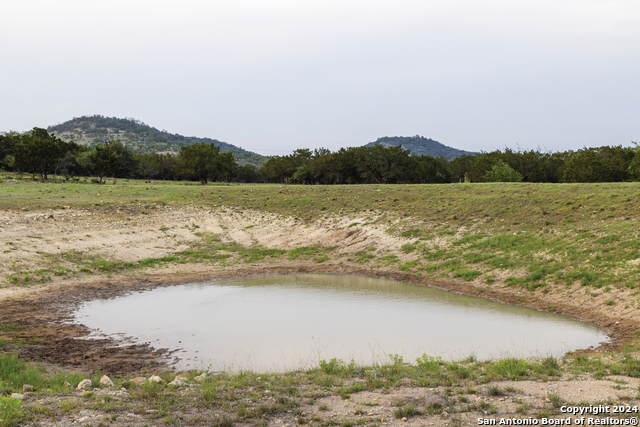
column 531, row 235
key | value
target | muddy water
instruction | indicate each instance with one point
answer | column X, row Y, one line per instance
column 290, row 321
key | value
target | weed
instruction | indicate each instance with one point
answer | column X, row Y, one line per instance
column 222, row 421
column 554, row 399
column 466, row 274
column 11, row 412
column 509, row 368
column 494, row 391
column 331, row 367
column 406, row 411
column 408, row 248
column 413, row 233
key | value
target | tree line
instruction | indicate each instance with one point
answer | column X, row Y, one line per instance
column 42, row 154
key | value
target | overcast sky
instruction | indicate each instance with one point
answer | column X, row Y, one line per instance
column 272, row 75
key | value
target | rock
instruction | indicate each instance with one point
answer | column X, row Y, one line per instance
column 27, row 387
column 180, row 378
column 105, row 381
column 155, row 379
column 201, row 377
column 17, row 396
column 138, row 381
column 66, row 384
column 177, row 383
column 84, row 385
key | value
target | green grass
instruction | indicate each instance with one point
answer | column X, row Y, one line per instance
column 15, row 373
column 11, row 412
column 588, row 230
column 208, row 250
column 406, row 412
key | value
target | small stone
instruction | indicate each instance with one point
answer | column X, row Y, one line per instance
column 180, row 378
column 177, row 383
column 201, row 377
column 105, row 381
column 404, row 418
column 155, row 379
column 84, row 385
column 27, row 387
column 138, row 381
column 66, row 384
column 17, row 396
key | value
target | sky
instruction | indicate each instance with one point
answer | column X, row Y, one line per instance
column 273, row 76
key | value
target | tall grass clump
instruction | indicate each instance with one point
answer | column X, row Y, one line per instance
column 14, row 374
column 511, row 368
column 429, row 363
column 11, row 412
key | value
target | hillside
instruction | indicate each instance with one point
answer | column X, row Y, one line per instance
column 421, row 145
column 139, row 137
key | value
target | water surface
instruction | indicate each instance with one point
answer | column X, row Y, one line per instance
column 290, row 321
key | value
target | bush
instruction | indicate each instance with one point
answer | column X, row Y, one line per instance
column 331, row 367
column 502, row 172
column 10, row 411
column 429, row 364
column 511, row 368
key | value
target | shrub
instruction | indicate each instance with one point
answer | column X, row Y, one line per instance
column 10, row 411
column 502, row 172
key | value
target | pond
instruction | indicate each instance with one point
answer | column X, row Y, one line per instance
column 277, row 322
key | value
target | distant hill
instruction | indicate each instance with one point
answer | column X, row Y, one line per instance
column 139, row 137
column 421, row 145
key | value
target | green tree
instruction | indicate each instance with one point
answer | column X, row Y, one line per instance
column 204, row 162
column 634, row 166
column 8, row 141
column 502, row 172
column 105, row 159
column 38, row 152
column 301, row 174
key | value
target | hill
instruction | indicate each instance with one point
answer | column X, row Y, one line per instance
column 139, row 137
column 421, row 145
